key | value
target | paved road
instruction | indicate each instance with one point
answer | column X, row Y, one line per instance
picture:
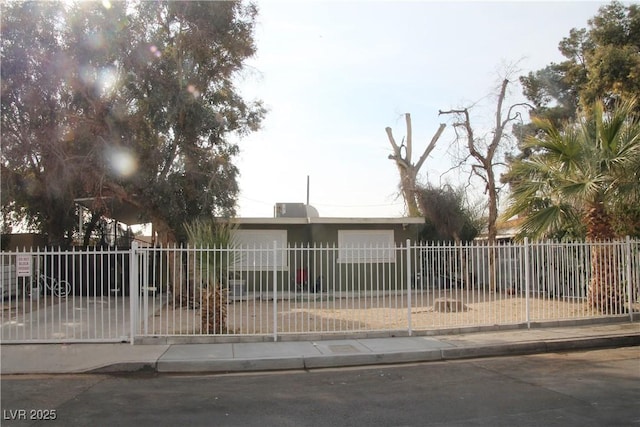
column 593, row 388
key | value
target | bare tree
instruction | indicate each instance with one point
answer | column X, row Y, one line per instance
column 408, row 170
column 484, row 155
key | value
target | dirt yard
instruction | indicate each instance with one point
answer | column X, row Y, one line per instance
column 322, row 313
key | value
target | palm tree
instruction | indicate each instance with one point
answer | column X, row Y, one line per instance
column 582, row 175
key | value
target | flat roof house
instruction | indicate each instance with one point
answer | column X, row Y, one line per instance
column 328, row 231
column 321, row 252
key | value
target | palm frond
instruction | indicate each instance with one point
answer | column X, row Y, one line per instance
column 595, row 160
column 218, row 236
column 541, row 221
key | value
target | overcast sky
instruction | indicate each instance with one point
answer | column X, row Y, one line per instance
column 334, row 74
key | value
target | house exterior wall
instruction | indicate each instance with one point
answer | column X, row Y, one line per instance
column 297, row 234
column 327, row 233
column 314, row 264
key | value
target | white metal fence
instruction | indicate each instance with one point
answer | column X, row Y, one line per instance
column 54, row 295
column 268, row 292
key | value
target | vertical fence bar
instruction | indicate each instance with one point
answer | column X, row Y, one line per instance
column 629, row 277
column 408, row 280
column 527, row 284
column 275, row 291
column 145, row 292
column 133, row 290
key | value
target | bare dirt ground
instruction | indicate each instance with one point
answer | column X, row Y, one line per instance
column 322, row 313
column 301, row 313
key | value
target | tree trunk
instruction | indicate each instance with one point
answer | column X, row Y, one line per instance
column 182, row 283
column 408, row 184
column 213, row 311
column 55, row 226
column 598, row 223
column 484, row 168
column 465, row 274
column 91, row 226
column 409, row 171
column 605, row 293
column 492, row 229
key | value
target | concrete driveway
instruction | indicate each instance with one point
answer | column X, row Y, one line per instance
column 72, row 318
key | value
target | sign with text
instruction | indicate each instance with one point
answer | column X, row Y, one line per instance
column 23, row 265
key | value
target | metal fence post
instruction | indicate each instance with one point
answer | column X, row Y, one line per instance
column 275, row 291
column 408, row 251
column 629, row 278
column 527, row 274
column 134, row 291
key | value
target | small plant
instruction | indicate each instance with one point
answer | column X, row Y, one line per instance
column 216, row 237
column 213, row 310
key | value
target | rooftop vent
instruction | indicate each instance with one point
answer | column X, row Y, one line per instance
column 294, row 210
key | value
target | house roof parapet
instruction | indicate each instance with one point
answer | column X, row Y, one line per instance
column 328, row 220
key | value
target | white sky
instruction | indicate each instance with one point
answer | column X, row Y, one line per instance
column 334, row 74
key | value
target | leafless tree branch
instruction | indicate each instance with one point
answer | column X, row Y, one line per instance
column 431, row 146
column 409, row 171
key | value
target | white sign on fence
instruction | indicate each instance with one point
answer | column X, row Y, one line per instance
column 23, row 265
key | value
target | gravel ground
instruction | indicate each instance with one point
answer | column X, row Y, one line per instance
column 320, row 313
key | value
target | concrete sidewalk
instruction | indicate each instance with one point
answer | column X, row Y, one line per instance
column 287, row 355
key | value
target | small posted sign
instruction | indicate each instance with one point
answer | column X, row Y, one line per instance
column 23, row 265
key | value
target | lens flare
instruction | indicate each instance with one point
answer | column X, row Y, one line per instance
column 193, row 91
column 87, row 74
column 95, row 41
column 107, row 79
column 122, row 161
column 155, row 51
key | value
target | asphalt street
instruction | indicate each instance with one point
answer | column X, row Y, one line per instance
column 589, row 388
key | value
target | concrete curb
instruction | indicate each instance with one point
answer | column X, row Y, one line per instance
column 368, row 359
column 331, row 352
column 472, row 352
column 231, row 365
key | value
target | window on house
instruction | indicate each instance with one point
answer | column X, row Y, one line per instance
column 256, row 249
column 361, row 246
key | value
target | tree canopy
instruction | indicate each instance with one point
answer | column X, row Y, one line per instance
column 601, row 70
column 585, row 174
column 602, row 63
column 447, row 214
column 136, row 101
column 580, row 175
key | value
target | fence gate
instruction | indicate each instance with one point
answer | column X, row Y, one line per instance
column 65, row 296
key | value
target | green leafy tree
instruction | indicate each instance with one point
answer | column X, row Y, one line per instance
column 190, row 106
column 449, row 218
column 136, row 101
column 447, row 215
column 602, row 63
column 583, row 173
column 38, row 176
